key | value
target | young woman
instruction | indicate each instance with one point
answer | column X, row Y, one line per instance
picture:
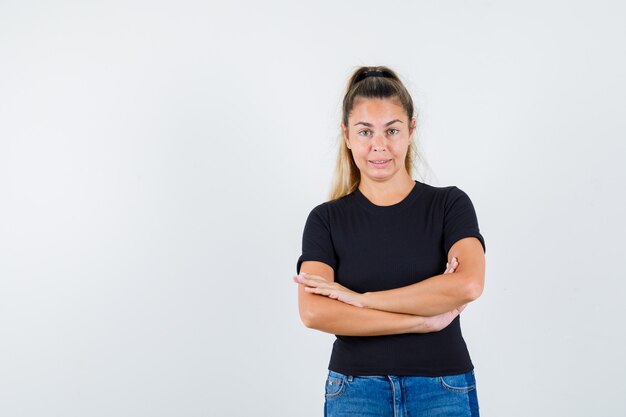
column 372, row 267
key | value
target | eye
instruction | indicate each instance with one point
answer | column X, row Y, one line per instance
column 364, row 131
column 395, row 130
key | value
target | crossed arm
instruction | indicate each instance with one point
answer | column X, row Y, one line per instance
column 417, row 308
column 336, row 317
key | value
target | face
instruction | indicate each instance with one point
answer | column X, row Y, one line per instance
column 378, row 135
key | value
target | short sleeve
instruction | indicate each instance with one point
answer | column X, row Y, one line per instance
column 317, row 244
column 460, row 219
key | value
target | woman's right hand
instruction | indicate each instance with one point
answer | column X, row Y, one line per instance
column 441, row 321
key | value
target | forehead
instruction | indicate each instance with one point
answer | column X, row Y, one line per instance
column 377, row 108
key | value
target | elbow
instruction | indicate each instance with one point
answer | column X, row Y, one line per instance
column 474, row 290
column 307, row 316
column 309, row 310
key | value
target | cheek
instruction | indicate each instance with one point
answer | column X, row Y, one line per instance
column 359, row 151
column 398, row 148
column 394, row 150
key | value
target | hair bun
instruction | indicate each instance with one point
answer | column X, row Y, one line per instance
column 372, row 73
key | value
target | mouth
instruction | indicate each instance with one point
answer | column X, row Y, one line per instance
column 380, row 163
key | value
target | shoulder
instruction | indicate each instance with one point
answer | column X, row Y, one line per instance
column 446, row 191
column 456, row 200
column 454, row 192
column 446, row 198
column 443, row 194
column 451, row 193
column 321, row 213
column 330, row 207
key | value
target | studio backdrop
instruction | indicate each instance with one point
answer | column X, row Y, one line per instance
column 158, row 161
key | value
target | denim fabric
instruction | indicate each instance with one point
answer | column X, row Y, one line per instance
column 401, row 396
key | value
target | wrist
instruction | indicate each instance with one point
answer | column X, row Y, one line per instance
column 366, row 298
column 423, row 325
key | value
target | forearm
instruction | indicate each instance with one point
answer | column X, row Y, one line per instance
column 332, row 316
column 430, row 297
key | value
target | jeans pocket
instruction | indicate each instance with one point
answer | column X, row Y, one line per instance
column 460, row 383
column 335, row 385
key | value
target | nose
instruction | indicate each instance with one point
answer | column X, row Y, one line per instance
column 379, row 142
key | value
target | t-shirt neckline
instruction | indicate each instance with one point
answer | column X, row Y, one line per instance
column 394, row 208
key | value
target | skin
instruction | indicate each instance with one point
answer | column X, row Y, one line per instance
column 350, row 320
column 319, row 285
column 379, row 129
column 429, row 297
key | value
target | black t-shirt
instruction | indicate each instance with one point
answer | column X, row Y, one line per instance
column 376, row 248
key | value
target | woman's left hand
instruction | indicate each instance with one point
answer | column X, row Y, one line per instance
column 319, row 285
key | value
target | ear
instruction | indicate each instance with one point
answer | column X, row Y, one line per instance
column 344, row 134
column 412, row 126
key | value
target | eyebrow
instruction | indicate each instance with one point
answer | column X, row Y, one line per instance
column 371, row 125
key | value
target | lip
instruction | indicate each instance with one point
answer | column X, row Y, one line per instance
column 379, row 165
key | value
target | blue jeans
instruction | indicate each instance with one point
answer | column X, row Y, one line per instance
column 401, row 396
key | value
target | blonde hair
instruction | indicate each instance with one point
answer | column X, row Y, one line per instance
column 386, row 85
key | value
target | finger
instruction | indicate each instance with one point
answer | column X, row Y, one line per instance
column 310, row 280
column 451, row 266
column 454, row 261
column 299, row 280
column 312, row 276
column 318, row 284
column 317, row 290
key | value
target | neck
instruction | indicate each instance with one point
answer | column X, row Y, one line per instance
column 387, row 192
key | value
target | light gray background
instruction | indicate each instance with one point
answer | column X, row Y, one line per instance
column 158, row 161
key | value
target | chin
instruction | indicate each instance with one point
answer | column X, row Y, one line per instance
column 381, row 175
